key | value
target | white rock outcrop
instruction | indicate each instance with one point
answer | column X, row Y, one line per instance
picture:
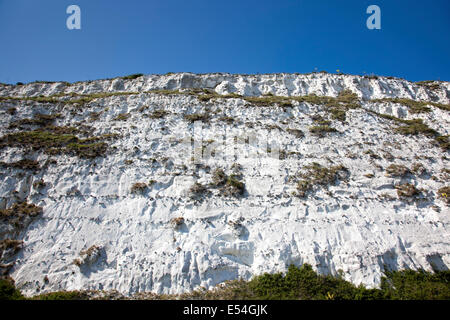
column 130, row 242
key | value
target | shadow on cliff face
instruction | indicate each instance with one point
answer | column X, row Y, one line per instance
column 436, row 262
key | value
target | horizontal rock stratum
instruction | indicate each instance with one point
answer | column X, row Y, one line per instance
column 166, row 183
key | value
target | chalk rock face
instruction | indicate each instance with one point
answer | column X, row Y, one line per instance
column 165, row 183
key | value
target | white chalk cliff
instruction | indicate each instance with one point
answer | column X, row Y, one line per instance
column 95, row 233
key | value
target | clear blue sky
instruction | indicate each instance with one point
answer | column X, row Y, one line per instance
column 237, row 36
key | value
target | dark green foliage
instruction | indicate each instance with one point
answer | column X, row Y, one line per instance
column 8, row 291
column 230, row 186
column 302, row 284
column 320, row 121
column 305, row 284
column 416, row 285
column 298, row 283
column 132, row 76
column 62, row 295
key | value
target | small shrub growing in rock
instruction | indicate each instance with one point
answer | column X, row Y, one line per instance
column 197, row 190
column 414, row 127
column 158, row 114
column 19, row 216
column 138, row 187
column 317, row 175
column 132, row 76
column 197, row 117
column 397, row 170
column 9, row 247
column 94, row 116
column 303, row 186
column 88, row 256
column 324, row 176
column 418, row 169
column 407, row 190
column 296, row 132
column 122, row 117
column 8, row 291
column 177, row 222
column 229, row 185
column 234, row 187
column 20, row 209
column 39, row 184
column 321, row 130
column 25, row 164
column 443, row 142
column 219, row 177
column 227, row 119
column 444, row 194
